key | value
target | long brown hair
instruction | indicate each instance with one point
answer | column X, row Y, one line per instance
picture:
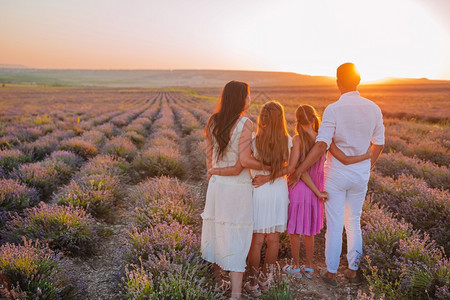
column 272, row 138
column 228, row 110
column 306, row 115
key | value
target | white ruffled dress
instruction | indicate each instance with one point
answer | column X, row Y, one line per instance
column 228, row 215
column 270, row 201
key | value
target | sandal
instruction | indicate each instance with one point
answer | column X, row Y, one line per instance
column 223, row 286
column 289, row 270
column 307, row 271
column 353, row 280
column 253, row 290
column 325, row 279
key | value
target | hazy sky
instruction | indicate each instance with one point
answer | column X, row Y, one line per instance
column 401, row 38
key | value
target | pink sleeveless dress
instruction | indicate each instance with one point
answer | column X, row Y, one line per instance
column 305, row 214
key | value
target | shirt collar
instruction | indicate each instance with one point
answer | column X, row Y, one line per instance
column 352, row 93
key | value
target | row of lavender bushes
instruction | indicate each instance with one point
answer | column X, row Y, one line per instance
column 394, row 164
column 31, row 182
column 136, row 125
column 193, row 140
column 32, row 270
column 401, row 262
column 161, row 154
column 185, row 119
column 425, row 141
column 163, row 247
column 410, row 198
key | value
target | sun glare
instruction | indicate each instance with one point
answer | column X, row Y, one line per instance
column 383, row 38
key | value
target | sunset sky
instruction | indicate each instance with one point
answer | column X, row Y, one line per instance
column 385, row 38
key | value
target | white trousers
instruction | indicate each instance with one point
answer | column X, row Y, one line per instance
column 346, row 198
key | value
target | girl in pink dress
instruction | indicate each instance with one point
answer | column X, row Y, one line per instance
column 305, row 214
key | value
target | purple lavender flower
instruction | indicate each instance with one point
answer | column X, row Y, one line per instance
column 15, row 195
column 66, row 228
column 35, row 271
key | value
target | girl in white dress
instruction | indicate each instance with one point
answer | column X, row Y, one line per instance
column 228, row 215
column 271, row 145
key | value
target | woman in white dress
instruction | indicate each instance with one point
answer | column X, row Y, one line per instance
column 228, row 215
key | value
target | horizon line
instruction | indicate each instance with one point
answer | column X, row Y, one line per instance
column 24, row 67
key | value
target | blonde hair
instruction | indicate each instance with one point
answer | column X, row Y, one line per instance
column 306, row 115
column 272, row 138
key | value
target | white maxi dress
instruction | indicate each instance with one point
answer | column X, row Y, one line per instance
column 228, row 215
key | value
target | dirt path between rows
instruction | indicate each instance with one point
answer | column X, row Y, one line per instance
column 100, row 271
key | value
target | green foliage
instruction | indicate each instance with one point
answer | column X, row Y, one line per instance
column 280, row 290
column 42, row 120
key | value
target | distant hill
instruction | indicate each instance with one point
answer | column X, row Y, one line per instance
column 412, row 81
column 6, row 66
column 166, row 78
column 156, row 78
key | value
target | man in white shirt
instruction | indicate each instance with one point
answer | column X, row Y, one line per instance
column 353, row 123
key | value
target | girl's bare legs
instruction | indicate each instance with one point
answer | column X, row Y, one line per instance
column 236, row 284
column 309, row 249
column 295, row 249
column 254, row 256
column 273, row 244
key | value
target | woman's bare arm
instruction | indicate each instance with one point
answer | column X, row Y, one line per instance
column 209, row 151
column 227, row 171
column 348, row 160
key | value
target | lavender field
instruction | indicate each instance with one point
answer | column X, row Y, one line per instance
column 101, row 191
